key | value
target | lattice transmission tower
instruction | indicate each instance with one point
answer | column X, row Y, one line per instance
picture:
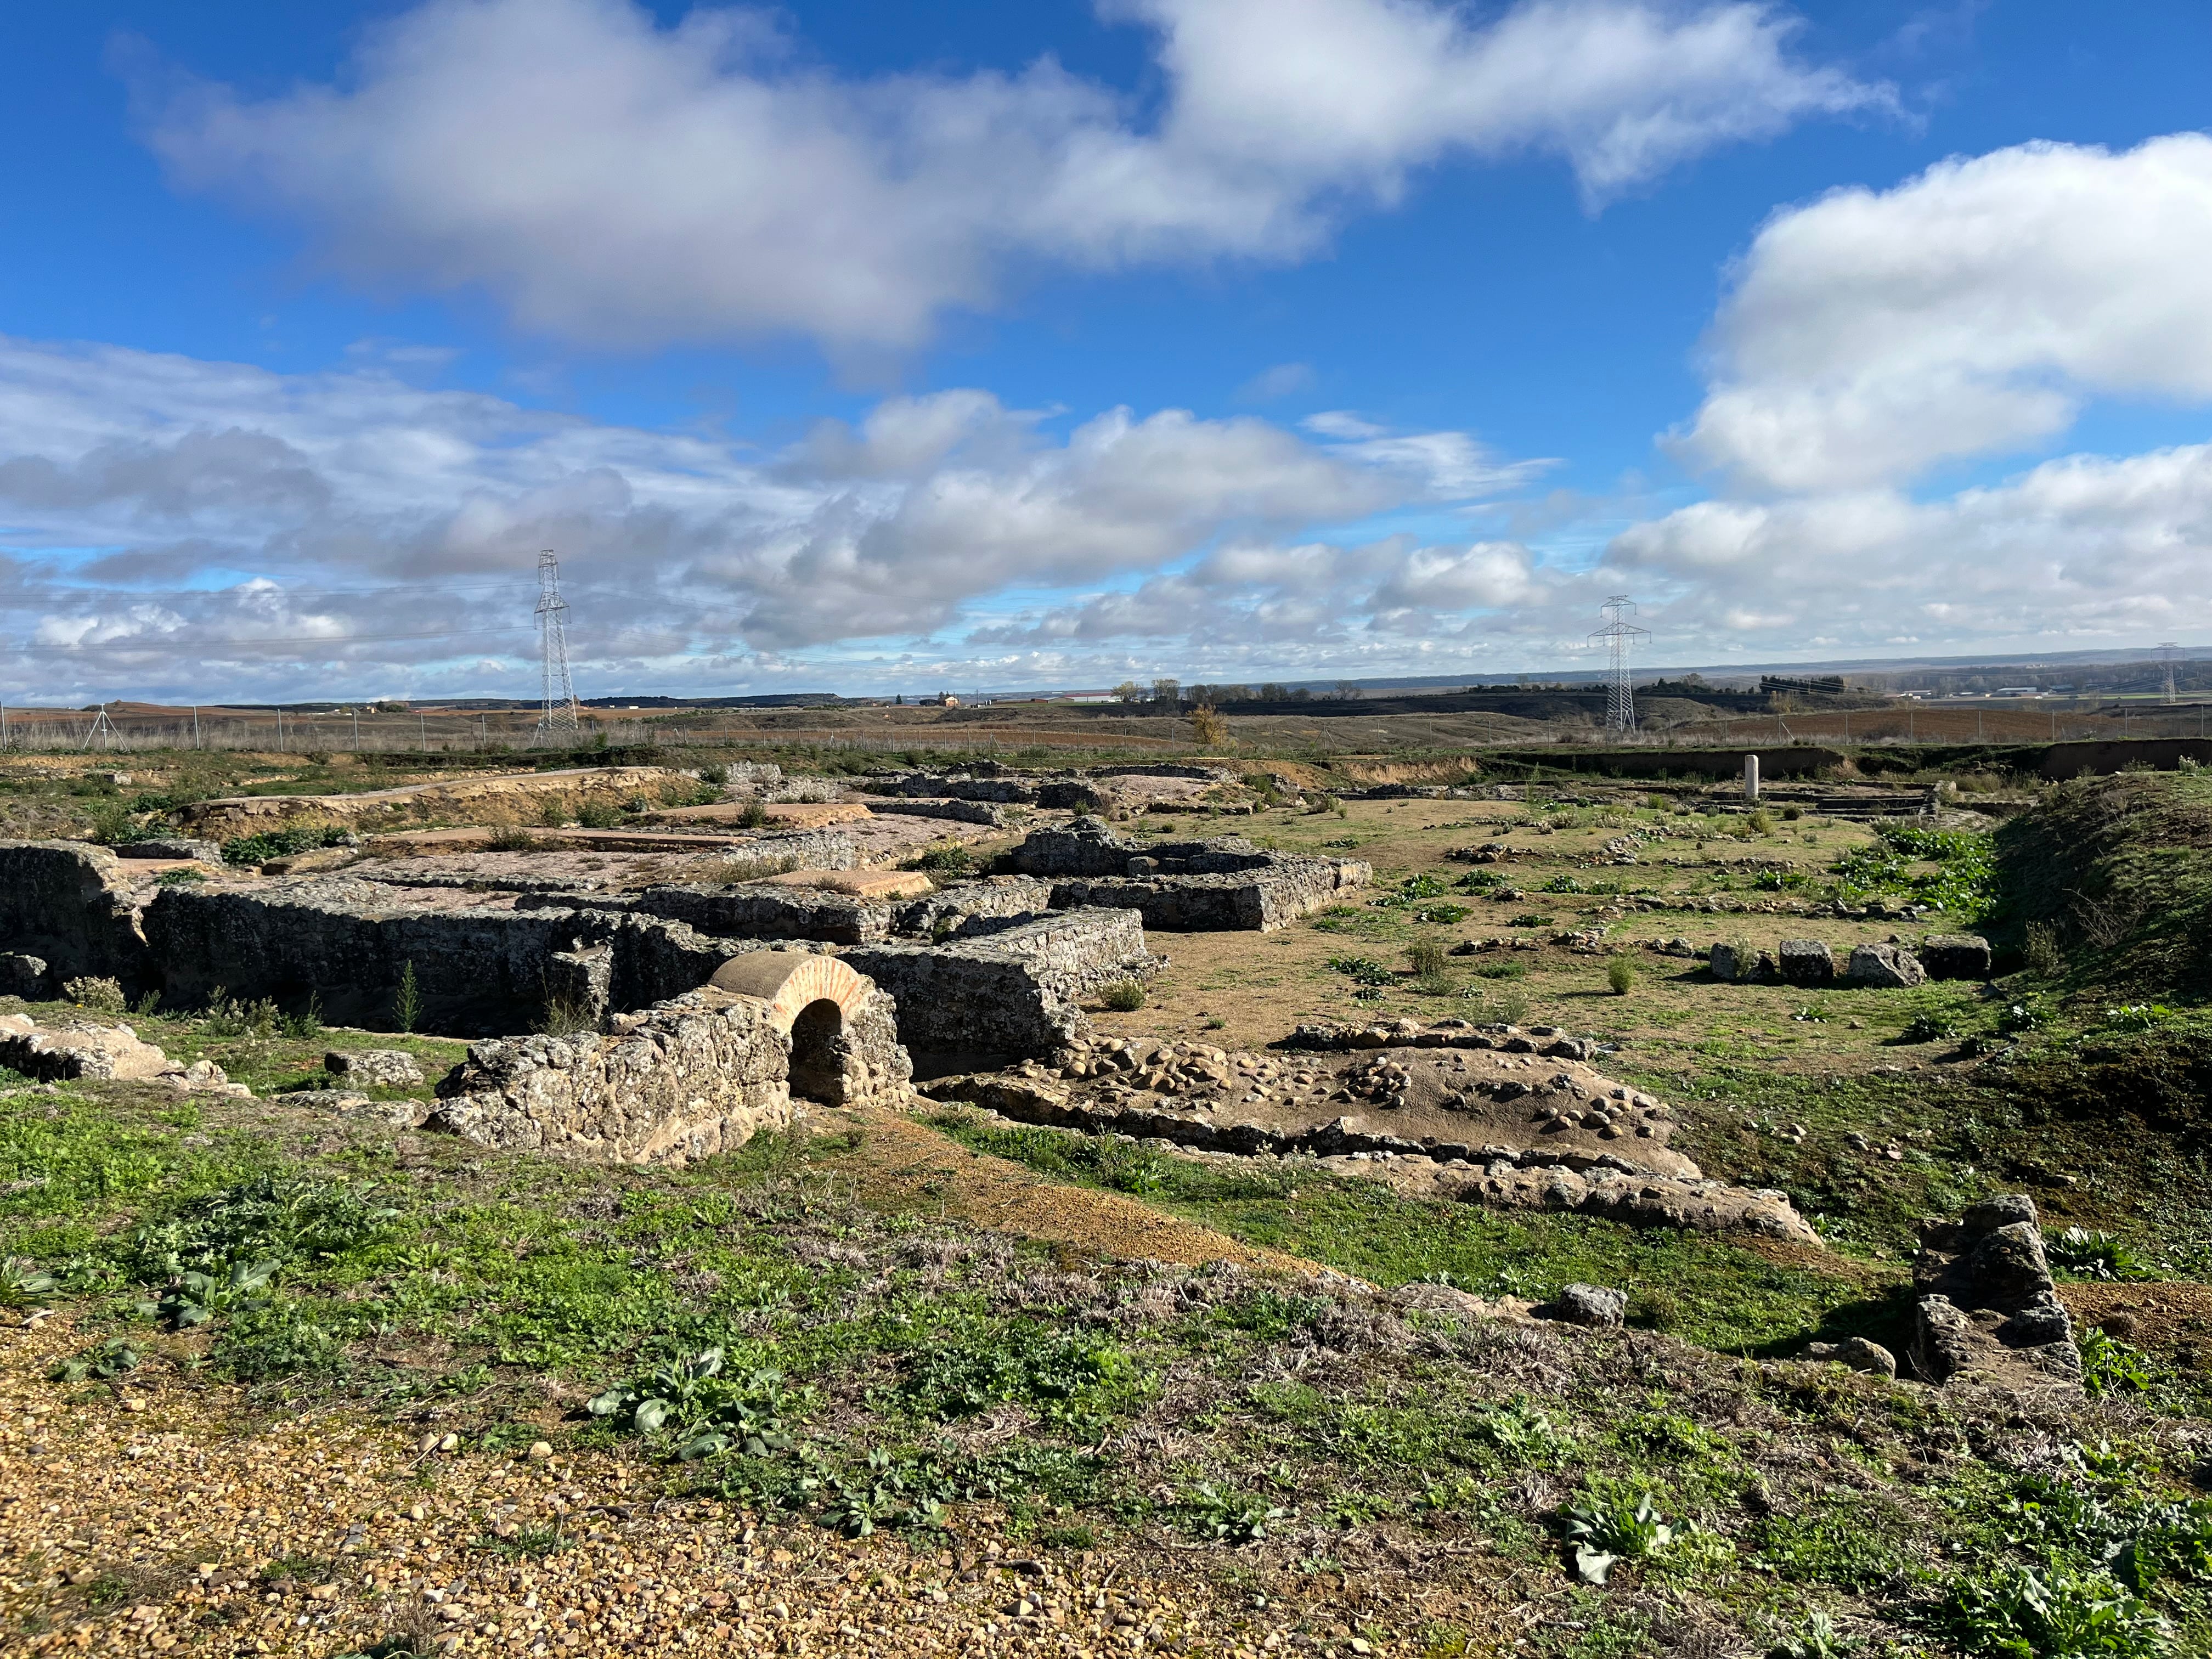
column 2166, row 653
column 1619, row 634
column 557, row 720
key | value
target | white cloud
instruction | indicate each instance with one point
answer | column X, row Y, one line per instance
column 1280, row 381
column 618, row 183
column 236, row 517
column 2081, row 549
column 1971, row 310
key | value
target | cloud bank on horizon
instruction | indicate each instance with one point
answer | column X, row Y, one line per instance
column 1888, row 374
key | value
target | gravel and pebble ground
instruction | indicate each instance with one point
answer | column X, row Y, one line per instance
column 153, row 1517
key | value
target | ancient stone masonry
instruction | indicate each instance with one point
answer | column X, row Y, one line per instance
column 1955, row 956
column 690, row 1077
column 1989, row 1310
column 960, row 812
column 697, row 1076
column 1015, row 992
column 80, row 1049
column 70, row 905
column 1223, row 885
column 1065, row 793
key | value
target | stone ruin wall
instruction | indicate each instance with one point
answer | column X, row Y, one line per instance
column 698, row 1074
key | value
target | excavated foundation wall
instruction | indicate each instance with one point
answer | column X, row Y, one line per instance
column 69, row 905
column 697, row 1076
column 1190, row 886
column 1015, row 992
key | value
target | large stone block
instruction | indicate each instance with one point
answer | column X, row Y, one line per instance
column 1955, row 956
column 1988, row 1308
column 1890, row 966
column 1806, row 962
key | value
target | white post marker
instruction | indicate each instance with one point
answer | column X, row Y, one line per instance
column 1751, row 777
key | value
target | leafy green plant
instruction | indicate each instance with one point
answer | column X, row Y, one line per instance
column 1614, row 1530
column 1620, row 975
column 1229, row 1517
column 1363, row 971
column 195, row 1297
column 1509, row 969
column 1057, row 1373
column 950, row 861
column 1123, row 996
column 2027, row 1612
column 180, row 877
column 282, row 843
column 2086, row 1255
column 2138, row 1017
column 704, row 1411
column 23, row 1281
column 1929, row 1028
column 1816, row 1639
column 1530, row 918
column 101, row 1363
column 2109, row 1365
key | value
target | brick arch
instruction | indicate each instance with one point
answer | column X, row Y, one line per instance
column 790, row 981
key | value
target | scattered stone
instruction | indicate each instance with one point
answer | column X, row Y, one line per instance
column 1728, row 963
column 1989, row 1310
column 376, row 1068
column 173, row 847
column 1593, row 1305
column 1807, row 962
column 1856, row 1353
column 1886, row 967
column 22, row 976
column 1955, row 956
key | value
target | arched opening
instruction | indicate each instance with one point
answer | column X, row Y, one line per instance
column 817, row 1053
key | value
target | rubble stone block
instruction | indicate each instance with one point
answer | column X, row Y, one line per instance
column 1593, row 1305
column 387, row 1068
column 1988, row 1308
column 1955, row 956
column 1886, row 967
column 1807, row 962
column 23, row 976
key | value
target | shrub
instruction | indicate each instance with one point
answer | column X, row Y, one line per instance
column 1759, row 823
column 2038, row 949
column 1124, row 996
column 406, row 998
column 1793, row 813
column 1426, row 958
column 599, row 815
column 179, row 878
column 952, row 860
column 754, row 816
column 1504, row 971
column 96, row 994
column 282, row 843
column 1620, row 975
column 512, row 838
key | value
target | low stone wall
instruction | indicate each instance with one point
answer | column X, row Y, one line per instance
column 768, row 912
column 1226, row 885
column 695, row 1076
column 68, row 904
column 953, row 787
column 960, row 812
column 1014, row 992
column 509, row 798
column 1259, row 900
column 996, row 900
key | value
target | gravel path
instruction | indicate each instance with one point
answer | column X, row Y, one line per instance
column 158, row 1520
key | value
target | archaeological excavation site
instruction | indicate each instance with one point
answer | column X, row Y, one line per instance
column 776, row 1200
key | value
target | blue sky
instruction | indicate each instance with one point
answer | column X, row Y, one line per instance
column 880, row 347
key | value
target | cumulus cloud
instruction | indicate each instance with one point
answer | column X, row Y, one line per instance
column 1972, row 310
column 2078, row 549
column 619, row 183
column 221, row 519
